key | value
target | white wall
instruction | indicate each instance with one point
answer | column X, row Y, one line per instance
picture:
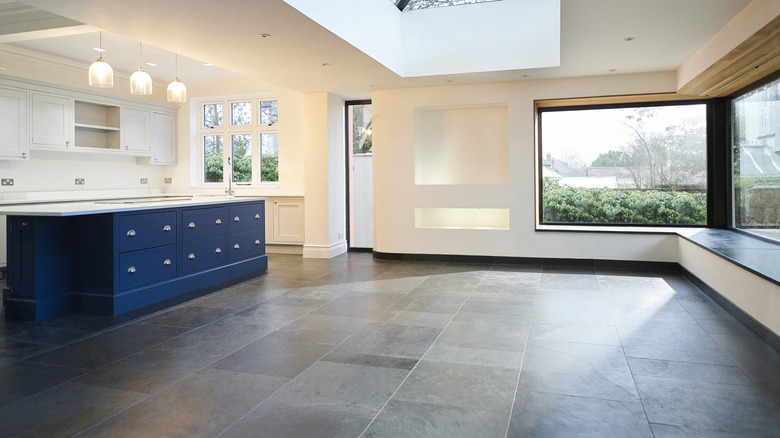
column 396, row 196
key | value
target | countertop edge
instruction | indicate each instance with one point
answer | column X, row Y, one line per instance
column 87, row 207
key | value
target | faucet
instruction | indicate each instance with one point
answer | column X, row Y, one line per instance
column 229, row 190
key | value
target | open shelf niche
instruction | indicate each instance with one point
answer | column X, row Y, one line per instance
column 96, row 125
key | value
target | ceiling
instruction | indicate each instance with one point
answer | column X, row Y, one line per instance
column 303, row 56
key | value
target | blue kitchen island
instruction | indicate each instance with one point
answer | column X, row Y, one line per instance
column 109, row 257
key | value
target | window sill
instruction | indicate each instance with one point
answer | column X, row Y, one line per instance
column 619, row 229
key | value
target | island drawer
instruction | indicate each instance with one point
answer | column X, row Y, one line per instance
column 202, row 254
column 146, row 230
column 245, row 217
column 198, row 223
column 246, row 244
column 146, row 266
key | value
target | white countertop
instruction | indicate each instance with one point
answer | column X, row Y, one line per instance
column 116, row 205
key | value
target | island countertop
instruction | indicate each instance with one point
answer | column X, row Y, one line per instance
column 117, row 205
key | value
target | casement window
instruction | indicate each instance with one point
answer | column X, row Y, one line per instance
column 623, row 164
column 239, row 138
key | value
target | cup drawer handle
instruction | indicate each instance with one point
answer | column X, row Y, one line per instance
column 257, row 242
column 236, row 219
column 167, row 262
column 167, row 228
column 257, row 216
column 131, row 233
column 218, row 251
column 218, row 222
column 236, row 246
column 191, row 225
column 131, row 270
column 191, row 256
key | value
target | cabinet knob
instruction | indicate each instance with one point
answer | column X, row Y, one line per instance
column 24, row 154
column 67, row 143
column 191, row 256
column 218, row 251
column 167, row 228
column 25, row 224
column 131, row 233
column 218, row 222
column 191, row 225
column 167, row 262
column 257, row 216
column 131, row 269
column 257, row 242
column 236, row 219
column 236, row 246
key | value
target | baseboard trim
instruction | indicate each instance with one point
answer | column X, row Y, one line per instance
column 324, row 251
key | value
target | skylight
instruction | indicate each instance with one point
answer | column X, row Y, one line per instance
column 413, row 5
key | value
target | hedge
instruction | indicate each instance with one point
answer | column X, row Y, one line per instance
column 563, row 204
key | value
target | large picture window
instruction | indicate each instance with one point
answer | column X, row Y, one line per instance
column 624, row 165
column 756, row 161
column 240, row 139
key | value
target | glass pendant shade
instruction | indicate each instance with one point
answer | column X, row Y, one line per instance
column 141, row 82
column 101, row 74
column 177, row 92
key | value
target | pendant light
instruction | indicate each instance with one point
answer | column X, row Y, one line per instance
column 177, row 92
column 101, row 74
column 140, row 81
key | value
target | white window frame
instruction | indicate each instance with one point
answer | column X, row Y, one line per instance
column 227, row 130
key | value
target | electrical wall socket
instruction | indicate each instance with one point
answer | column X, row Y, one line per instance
column 144, row 180
column 168, row 180
column 8, row 181
column 79, row 181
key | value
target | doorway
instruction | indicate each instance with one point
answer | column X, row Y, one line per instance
column 360, row 181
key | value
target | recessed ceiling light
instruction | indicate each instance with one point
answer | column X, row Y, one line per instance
column 264, row 35
column 325, row 64
column 208, row 64
column 370, row 86
column 98, row 49
column 612, row 69
column 628, row 39
column 525, row 76
column 150, row 64
column 2, row 68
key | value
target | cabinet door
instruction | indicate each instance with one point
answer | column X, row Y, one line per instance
column 288, row 220
column 245, row 217
column 52, row 120
column 136, row 130
column 164, row 145
column 13, row 123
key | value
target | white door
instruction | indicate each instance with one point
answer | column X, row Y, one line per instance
column 361, row 180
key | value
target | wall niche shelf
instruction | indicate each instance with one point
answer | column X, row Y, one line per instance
column 96, row 125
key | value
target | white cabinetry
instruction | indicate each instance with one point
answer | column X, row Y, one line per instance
column 13, row 126
column 285, row 221
column 164, row 142
column 136, row 130
column 52, row 121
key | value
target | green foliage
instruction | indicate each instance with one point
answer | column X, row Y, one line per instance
column 757, row 202
column 614, row 206
column 269, row 168
column 214, row 168
column 609, row 159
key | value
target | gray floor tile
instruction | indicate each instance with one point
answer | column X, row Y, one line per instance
column 654, row 315
column 460, row 385
column 221, row 337
column 353, row 389
column 190, row 316
column 282, row 420
column 200, row 406
column 576, row 280
column 414, row 319
column 642, row 299
column 271, row 315
column 583, row 370
column 359, row 304
column 409, row 419
column 27, row 378
column 565, row 333
column 277, row 354
column 715, row 406
column 63, row 410
column 693, row 372
column 484, row 335
column 555, row 309
column 109, row 347
column 401, row 285
column 475, row 356
column 240, row 298
column 553, row 415
column 391, row 340
column 325, row 329
column 668, row 431
column 50, row 335
column 675, row 342
column 431, row 301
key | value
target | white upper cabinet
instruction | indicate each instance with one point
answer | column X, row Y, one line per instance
column 137, row 130
column 52, row 121
column 164, row 145
column 13, row 124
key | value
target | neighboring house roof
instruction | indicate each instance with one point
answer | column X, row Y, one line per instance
column 547, row 173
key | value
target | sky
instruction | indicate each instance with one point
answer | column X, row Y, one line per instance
column 589, row 133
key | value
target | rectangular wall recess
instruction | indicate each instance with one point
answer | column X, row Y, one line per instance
column 462, row 218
